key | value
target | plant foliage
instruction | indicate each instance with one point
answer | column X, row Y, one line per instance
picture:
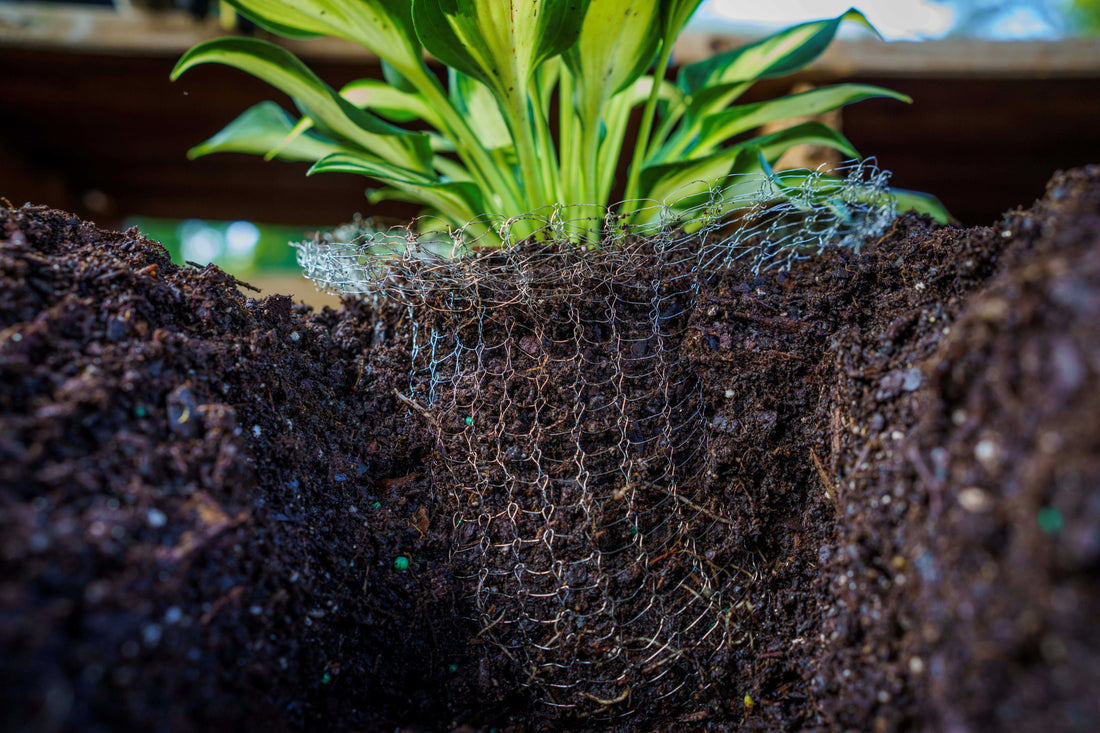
column 492, row 141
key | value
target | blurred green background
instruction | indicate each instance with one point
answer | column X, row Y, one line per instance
column 259, row 254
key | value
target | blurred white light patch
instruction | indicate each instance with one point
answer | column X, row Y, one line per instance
column 894, row 19
column 241, row 238
column 199, row 242
column 1025, row 24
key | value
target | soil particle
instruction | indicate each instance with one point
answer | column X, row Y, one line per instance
column 215, row 513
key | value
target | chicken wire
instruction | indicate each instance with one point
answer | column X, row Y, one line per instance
column 771, row 221
column 571, row 432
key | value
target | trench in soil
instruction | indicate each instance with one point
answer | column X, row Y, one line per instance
column 216, row 512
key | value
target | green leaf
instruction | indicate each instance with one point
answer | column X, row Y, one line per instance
column 714, row 83
column 390, row 102
column 616, row 117
column 712, row 99
column 387, row 101
column 449, row 169
column 617, row 43
column 678, row 190
column 282, row 18
column 639, row 91
column 459, row 200
column 780, row 54
column 303, row 125
column 396, row 79
column 690, row 177
column 260, row 129
column 382, row 26
column 723, row 125
column 501, row 44
column 921, row 203
column 773, row 146
column 498, row 43
column 546, row 81
column 441, row 40
column 353, row 163
column 440, row 143
column 475, row 101
column 378, row 195
column 329, row 110
column 675, row 14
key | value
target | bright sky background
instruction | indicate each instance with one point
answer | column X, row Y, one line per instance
column 895, row 19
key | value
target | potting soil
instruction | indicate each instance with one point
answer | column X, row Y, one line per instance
column 219, row 512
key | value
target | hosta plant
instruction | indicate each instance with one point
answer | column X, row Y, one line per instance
column 535, row 106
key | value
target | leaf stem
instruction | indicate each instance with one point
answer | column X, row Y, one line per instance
column 618, row 117
column 490, row 176
column 518, row 113
column 567, row 134
column 630, row 202
column 548, row 156
column 672, row 116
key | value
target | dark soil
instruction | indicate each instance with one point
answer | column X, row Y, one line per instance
column 962, row 589
column 205, row 499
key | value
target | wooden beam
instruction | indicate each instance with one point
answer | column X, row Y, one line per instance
column 957, row 58
column 170, row 33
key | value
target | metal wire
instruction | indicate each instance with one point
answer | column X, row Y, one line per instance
column 572, row 432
